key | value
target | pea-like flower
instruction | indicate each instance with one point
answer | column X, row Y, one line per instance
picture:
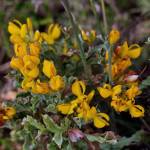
column 88, row 36
column 114, row 36
column 81, row 106
column 6, row 113
column 54, row 32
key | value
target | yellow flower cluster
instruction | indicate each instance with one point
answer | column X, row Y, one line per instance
column 121, row 58
column 80, row 106
column 123, row 99
column 6, row 113
column 27, row 47
column 123, row 95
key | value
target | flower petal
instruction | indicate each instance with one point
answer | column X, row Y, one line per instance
column 13, row 29
column 29, row 25
column 134, row 51
column 16, row 63
column 124, row 50
column 66, row 108
column 136, row 111
column 114, row 36
column 78, row 88
column 49, row 68
column 23, row 31
column 40, row 87
column 27, row 83
column 101, row 120
column 90, row 96
column 117, row 89
column 56, row 83
column 54, row 31
column 105, row 93
column 10, row 112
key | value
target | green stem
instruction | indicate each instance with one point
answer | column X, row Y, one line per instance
column 65, row 3
column 145, row 123
column 95, row 13
column 110, row 65
column 110, row 51
column 104, row 16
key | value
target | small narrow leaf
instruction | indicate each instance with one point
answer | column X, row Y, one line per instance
column 93, row 138
column 124, row 141
column 35, row 123
column 52, row 146
column 50, row 124
column 58, row 139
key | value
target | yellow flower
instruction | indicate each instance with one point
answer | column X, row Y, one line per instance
column 13, row 28
column 114, row 36
column 27, row 83
column 100, row 119
column 6, row 113
column 133, row 91
column 78, row 89
column 67, row 109
column 41, row 87
column 119, row 104
column 20, row 50
column 120, row 66
column 22, row 33
column 35, row 49
column 37, row 37
column 54, row 32
column 28, row 65
column 16, row 63
column 49, row 68
column 15, row 39
column 83, row 111
column 30, row 68
column 133, row 51
column 18, row 31
column 87, row 113
column 107, row 91
column 136, row 111
column 116, row 90
column 88, row 37
column 56, row 83
column 30, row 26
column 81, row 106
column 9, row 112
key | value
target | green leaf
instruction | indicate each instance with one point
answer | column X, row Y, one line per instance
column 93, row 138
column 35, row 123
column 34, row 103
column 65, row 124
column 51, row 108
column 50, row 124
column 145, row 83
column 52, row 146
column 27, row 143
column 68, row 147
column 124, row 141
column 58, row 139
